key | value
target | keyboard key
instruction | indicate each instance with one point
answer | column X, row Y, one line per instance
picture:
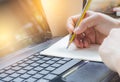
column 56, row 65
column 1, row 71
column 37, row 76
column 46, row 58
column 18, row 79
column 2, row 81
column 40, row 61
column 65, row 67
column 44, row 65
column 16, row 68
column 14, row 65
column 66, row 59
column 36, row 54
column 50, row 76
column 56, row 59
column 30, row 57
column 32, row 72
column 50, row 68
column 25, row 76
column 8, row 79
column 3, row 75
column 40, row 56
column 23, row 65
column 19, row 62
column 9, row 71
column 38, row 68
column 34, row 64
column 50, row 62
column 28, row 68
column 14, row 75
column 61, row 62
column 44, row 72
column 7, row 68
column 35, row 59
column 30, row 80
column 29, row 62
column 43, row 80
column 26, row 59
column 21, row 71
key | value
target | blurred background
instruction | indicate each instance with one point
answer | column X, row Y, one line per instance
column 22, row 24
column 105, row 6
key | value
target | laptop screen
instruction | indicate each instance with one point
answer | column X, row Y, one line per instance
column 22, row 24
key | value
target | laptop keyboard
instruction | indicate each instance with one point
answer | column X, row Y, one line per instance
column 36, row 68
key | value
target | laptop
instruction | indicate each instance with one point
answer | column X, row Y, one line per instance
column 27, row 28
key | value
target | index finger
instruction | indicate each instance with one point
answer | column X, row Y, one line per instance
column 71, row 23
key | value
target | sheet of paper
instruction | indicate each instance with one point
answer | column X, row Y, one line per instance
column 59, row 49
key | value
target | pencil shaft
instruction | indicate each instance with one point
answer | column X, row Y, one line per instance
column 72, row 36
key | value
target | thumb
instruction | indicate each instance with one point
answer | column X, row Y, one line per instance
column 85, row 24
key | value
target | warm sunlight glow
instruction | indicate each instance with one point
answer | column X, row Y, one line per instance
column 22, row 23
column 57, row 13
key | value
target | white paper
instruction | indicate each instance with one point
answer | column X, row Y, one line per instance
column 59, row 49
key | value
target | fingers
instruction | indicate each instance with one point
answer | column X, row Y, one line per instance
column 71, row 23
column 86, row 23
column 81, row 42
column 78, row 43
column 86, row 43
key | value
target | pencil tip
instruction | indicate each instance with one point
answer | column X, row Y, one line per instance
column 68, row 45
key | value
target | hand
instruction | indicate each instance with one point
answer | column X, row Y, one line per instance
column 110, row 50
column 95, row 26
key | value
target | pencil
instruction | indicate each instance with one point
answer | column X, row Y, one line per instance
column 72, row 36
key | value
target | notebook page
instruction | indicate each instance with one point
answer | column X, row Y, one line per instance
column 59, row 49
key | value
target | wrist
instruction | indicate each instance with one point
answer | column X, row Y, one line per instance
column 117, row 68
column 118, row 23
column 116, row 64
column 118, row 71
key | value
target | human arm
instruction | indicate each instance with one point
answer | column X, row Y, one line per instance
column 110, row 50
